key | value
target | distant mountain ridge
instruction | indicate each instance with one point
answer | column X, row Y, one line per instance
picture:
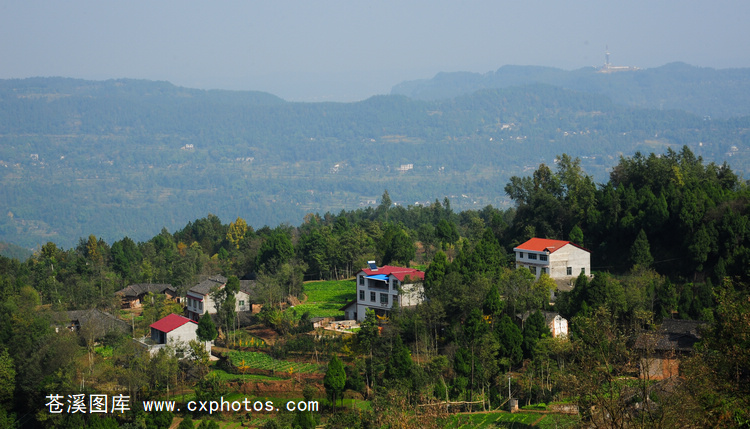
column 129, row 157
column 722, row 93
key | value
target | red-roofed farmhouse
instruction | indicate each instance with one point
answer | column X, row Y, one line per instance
column 379, row 288
column 173, row 330
column 559, row 259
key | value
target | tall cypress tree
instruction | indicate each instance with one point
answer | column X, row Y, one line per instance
column 334, row 380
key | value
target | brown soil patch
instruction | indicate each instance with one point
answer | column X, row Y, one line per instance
column 265, row 333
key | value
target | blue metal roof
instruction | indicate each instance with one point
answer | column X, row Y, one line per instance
column 381, row 277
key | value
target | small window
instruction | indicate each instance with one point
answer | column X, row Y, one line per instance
column 532, row 255
column 361, row 280
column 533, row 270
column 544, row 270
column 569, row 271
column 384, row 298
column 520, row 255
column 372, row 296
column 361, row 295
column 542, row 257
column 583, row 270
column 242, row 303
column 200, row 306
column 395, row 299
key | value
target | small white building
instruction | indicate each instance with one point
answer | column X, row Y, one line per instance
column 199, row 301
column 174, row 330
column 559, row 259
column 379, row 288
column 558, row 325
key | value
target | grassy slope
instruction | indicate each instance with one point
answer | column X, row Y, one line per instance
column 325, row 298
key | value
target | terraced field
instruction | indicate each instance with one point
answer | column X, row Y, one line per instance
column 258, row 360
column 508, row 420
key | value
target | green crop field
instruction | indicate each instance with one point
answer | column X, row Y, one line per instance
column 263, row 361
column 325, row 298
column 225, row 376
column 508, row 420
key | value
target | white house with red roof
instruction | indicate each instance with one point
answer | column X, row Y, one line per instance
column 379, row 288
column 173, row 330
column 559, row 259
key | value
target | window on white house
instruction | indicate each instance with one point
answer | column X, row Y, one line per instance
column 569, row 271
column 544, row 270
column 533, row 270
column 532, row 255
column 542, row 257
column 200, row 305
column 372, row 296
column 361, row 280
column 583, row 270
column 395, row 299
column 520, row 255
column 361, row 295
column 384, row 298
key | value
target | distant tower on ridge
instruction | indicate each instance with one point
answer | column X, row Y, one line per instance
column 609, row 68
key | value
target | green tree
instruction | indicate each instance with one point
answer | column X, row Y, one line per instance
column 510, row 340
column 7, row 377
column 186, row 423
column 334, row 380
column 576, row 235
column 400, row 366
column 275, row 250
column 206, row 329
column 396, row 246
column 225, row 300
column 640, row 252
column 534, row 328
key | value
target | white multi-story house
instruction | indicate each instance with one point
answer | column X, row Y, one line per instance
column 199, row 301
column 379, row 288
column 559, row 259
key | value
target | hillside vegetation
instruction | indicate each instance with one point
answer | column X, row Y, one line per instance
column 669, row 236
column 128, row 157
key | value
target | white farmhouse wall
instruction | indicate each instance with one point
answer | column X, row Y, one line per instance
column 559, row 327
column 412, row 294
column 557, row 263
column 184, row 333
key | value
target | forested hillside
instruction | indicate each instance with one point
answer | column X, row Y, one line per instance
column 669, row 236
column 129, row 157
column 699, row 90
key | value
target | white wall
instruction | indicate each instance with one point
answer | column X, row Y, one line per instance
column 557, row 262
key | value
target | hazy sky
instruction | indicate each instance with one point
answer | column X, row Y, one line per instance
column 314, row 50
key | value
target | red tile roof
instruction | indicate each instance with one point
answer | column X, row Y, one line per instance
column 398, row 272
column 542, row 244
column 171, row 322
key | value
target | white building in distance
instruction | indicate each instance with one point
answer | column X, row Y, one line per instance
column 559, row 259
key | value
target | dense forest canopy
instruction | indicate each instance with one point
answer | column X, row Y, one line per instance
column 128, row 157
column 669, row 237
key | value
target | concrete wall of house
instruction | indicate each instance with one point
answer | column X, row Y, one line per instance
column 557, row 263
column 412, row 294
column 659, row 367
column 569, row 256
column 209, row 306
column 242, row 301
column 184, row 333
column 384, row 293
column 559, row 327
column 194, row 305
